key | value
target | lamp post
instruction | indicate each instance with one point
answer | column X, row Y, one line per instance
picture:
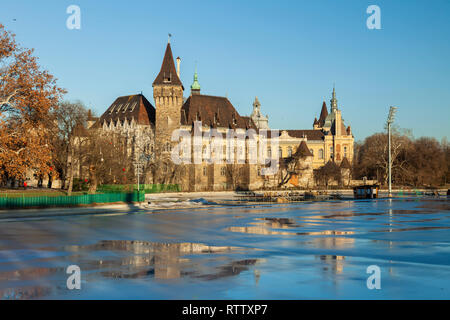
column 390, row 120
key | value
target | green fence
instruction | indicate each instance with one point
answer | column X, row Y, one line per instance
column 147, row 188
column 63, row 201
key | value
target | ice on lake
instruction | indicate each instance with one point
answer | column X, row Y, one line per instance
column 307, row 250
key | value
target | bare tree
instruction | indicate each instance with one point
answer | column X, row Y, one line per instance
column 372, row 155
column 328, row 173
column 71, row 120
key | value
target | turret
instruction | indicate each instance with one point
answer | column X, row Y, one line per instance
column 195, row 87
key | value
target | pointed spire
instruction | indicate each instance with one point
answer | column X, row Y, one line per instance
column 256, row 102
column 168, row 73
column 345, row 164
column 303, row 150
column 333, row 100
column 195, row 87
column 323, row 114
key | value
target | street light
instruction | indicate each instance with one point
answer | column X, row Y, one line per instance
column 390, row 120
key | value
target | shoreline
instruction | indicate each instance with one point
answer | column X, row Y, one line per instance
column 161, row 202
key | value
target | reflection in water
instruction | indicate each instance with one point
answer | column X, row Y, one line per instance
column 265, row 228
column 25, row 293
column 335, row 264
column 121, row 259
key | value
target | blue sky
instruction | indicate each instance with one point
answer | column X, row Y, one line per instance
column 288, row 53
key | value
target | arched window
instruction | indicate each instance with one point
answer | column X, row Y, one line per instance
column 222, row 171
column 269, row 152
column 280, row 152
column 320, row 153
column 204, row 171
column 312, row 151
column 290, row 152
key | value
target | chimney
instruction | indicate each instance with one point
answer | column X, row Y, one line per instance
column 178, row 66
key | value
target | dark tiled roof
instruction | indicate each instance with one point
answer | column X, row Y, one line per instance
column 323, row 114
column 343, row 128
column 303, row 151
column 168, row 70
column 345, row 164
column 249, row 122
column 309, row 134
column 213, row 111
column 135, row 106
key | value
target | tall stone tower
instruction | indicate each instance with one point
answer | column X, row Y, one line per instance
column 168, row 96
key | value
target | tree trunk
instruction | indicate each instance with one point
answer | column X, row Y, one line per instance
column 69, row 189
column 93, row 181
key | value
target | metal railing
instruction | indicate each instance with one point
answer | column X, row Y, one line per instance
column 63, row 201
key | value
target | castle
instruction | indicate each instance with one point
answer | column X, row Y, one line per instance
column 149, row 130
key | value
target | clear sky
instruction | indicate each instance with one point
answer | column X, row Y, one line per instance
column 288, row 53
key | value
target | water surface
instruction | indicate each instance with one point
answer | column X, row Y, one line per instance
column 310, row 250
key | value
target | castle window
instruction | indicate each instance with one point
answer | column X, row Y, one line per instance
column 312, row 151
column 345, row 152
column 269, row 152
column 167, row 77
column 222, row 171
column 331, row 153
column 320, row 153
column 289, row 152
column 280, row 152
column 204, row 171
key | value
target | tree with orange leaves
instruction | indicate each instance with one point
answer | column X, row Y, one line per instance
column 27, row 95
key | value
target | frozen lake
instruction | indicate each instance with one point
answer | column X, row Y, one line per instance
column 310, row 250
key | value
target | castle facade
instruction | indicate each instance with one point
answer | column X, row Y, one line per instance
column 150, row 131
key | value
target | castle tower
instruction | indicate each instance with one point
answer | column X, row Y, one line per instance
column 168, row 96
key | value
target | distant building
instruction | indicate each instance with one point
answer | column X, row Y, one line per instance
column 329, row 139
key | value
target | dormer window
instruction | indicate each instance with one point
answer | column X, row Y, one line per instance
column 234, row 119
column 126, row 107
column 112, row 109
column 118, row 108
column 216, row 118
column 167, row 77
column 134, row 106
